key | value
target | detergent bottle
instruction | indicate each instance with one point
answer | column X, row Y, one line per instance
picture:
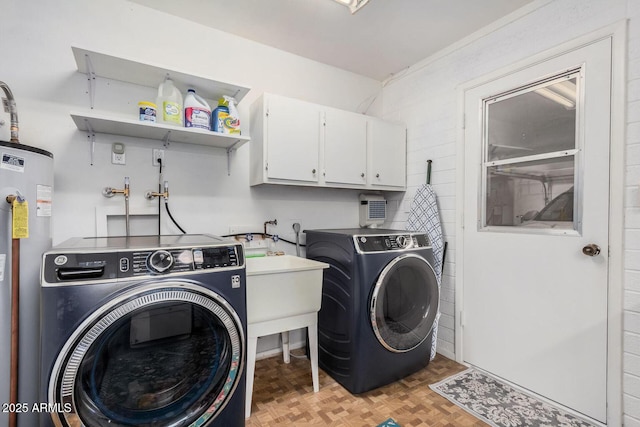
column 197, row 113
column 225, row 116
column 169, row 104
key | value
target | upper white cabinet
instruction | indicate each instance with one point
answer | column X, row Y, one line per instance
column 296, row 126
column 345, row 147
column 300, row 143
column 96, row 64
column 387, row 157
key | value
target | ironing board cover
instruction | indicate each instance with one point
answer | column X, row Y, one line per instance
column 424, row 217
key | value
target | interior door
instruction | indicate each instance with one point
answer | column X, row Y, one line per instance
column 536, row 203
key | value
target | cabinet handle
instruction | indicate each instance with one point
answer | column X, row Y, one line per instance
column 377, row 175
column 362, row 175
column 313, row 171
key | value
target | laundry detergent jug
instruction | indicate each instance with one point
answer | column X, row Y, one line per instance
column 197, row 113
column 169, row 104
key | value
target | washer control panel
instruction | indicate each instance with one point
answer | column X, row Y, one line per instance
column 395, row 242
column 90, row 266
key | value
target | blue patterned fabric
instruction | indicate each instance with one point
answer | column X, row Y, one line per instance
column 424, row 217
column 389, row 423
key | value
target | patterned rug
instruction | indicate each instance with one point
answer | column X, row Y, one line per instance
column 500, row 405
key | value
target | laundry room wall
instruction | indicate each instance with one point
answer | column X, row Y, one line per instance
column 425, row 98
column 38, row 65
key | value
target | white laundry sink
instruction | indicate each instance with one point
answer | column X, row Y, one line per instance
column 282, row 286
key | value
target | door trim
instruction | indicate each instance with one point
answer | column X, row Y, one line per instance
column 617, row 33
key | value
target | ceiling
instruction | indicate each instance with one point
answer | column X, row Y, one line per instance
column 383, row 38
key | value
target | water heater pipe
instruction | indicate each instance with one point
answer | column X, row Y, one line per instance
column 13, row 112
column 15, row 317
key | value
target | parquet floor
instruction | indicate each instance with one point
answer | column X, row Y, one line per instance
column 283, row 396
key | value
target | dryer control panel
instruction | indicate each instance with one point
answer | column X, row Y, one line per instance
column 394, row 242
column 126, row 264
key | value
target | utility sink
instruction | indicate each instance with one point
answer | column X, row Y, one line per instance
column 283, row 293
column 282, row 286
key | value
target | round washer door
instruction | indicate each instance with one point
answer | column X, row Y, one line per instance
column 168, row 353
column 404, row 303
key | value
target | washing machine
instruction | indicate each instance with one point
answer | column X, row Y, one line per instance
column 379, row 302
column 143, row 331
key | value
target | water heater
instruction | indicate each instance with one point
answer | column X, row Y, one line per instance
column 373, row 210
column 25, row 171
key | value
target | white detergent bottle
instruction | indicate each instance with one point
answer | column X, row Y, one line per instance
column 169, row 104
column 197, row 113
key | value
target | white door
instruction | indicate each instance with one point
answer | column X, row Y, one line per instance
column 293, row 135
column 536, row 205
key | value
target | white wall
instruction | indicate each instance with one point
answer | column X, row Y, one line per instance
column 425, row 97
column 37, row 63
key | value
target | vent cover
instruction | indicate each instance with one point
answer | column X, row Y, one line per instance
column 373, row 210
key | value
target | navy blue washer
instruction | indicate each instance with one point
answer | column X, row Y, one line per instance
column 144, row 331
column 379, row 301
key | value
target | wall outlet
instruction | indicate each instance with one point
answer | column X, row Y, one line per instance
column 118, row 159
column 117, row 153
column 157, row 154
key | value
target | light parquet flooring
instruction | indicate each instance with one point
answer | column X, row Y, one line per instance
column 283, row 396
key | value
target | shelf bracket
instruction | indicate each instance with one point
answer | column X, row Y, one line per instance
column 91, row 79
column 230, row 151
column 165, row 140
column 91, row 137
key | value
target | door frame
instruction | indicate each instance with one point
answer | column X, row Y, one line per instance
column 617, row 33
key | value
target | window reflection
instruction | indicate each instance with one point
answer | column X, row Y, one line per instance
column 530, row 155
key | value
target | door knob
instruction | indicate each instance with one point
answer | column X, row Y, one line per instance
column 591, row 249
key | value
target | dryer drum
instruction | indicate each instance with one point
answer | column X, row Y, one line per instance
column 158, row 355
column 404, row 303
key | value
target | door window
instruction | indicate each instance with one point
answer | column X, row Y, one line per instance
column 404, row 303
column 531, row 156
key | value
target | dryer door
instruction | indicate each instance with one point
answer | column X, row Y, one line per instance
column 404, row 303
column 167, row 354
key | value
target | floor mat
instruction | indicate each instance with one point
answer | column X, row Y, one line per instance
column 501, row 405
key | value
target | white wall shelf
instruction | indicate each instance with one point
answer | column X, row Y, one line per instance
column 96, row 64
column 151, row 75
column 99, row 122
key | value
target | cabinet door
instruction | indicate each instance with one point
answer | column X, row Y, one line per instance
column 388, row 154
column 293, row 138
column 345, row 147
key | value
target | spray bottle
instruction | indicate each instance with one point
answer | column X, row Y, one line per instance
column 225, row 117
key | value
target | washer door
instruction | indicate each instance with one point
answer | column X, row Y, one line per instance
column 404, row 303
column 162, row 354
